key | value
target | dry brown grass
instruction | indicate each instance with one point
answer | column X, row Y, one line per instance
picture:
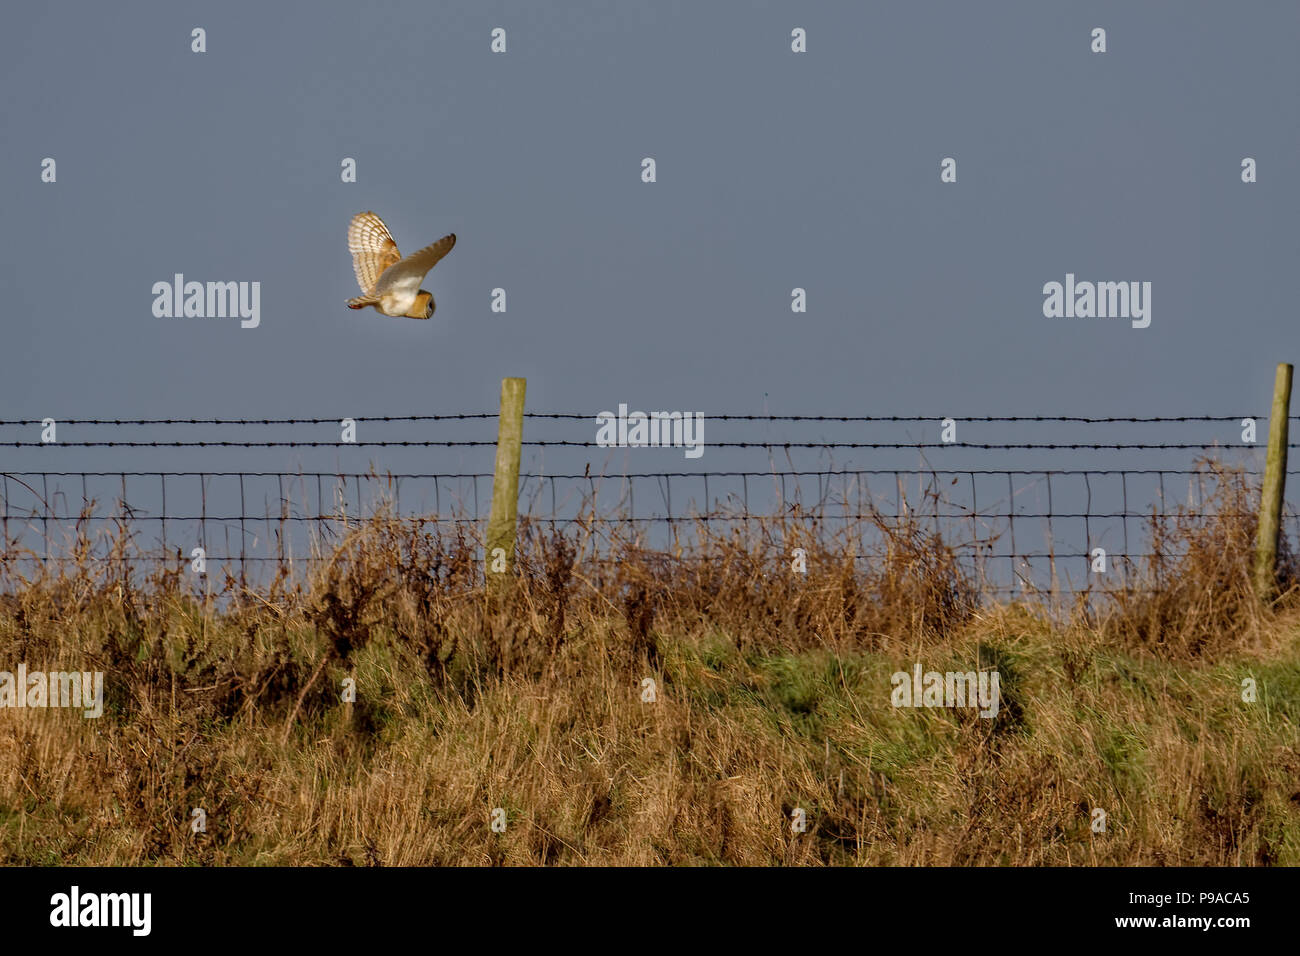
column 773, row 694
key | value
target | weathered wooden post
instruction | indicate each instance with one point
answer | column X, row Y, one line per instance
column 500, row 553
column 1270, row 503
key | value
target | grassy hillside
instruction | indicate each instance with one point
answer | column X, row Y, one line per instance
column 773, row 693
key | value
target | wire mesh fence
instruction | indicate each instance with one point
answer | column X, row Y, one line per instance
column 1060, row 526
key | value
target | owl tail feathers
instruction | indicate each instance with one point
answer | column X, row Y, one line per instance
column 361, row 301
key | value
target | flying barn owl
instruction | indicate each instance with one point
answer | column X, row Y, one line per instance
column 390, row 283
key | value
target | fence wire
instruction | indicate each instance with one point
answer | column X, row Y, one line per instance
column 1018, row 527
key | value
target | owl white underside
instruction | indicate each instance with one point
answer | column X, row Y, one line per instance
column 398, row 303
column 399, row 286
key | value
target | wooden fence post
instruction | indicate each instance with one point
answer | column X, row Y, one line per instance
column 500, row 552
column 1270, row 503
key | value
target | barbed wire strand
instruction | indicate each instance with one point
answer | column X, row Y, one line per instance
column 594, row 417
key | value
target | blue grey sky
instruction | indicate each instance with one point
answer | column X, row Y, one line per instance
column 775, row 170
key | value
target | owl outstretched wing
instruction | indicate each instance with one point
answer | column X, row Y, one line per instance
column 373, row 249
column 410, row 272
